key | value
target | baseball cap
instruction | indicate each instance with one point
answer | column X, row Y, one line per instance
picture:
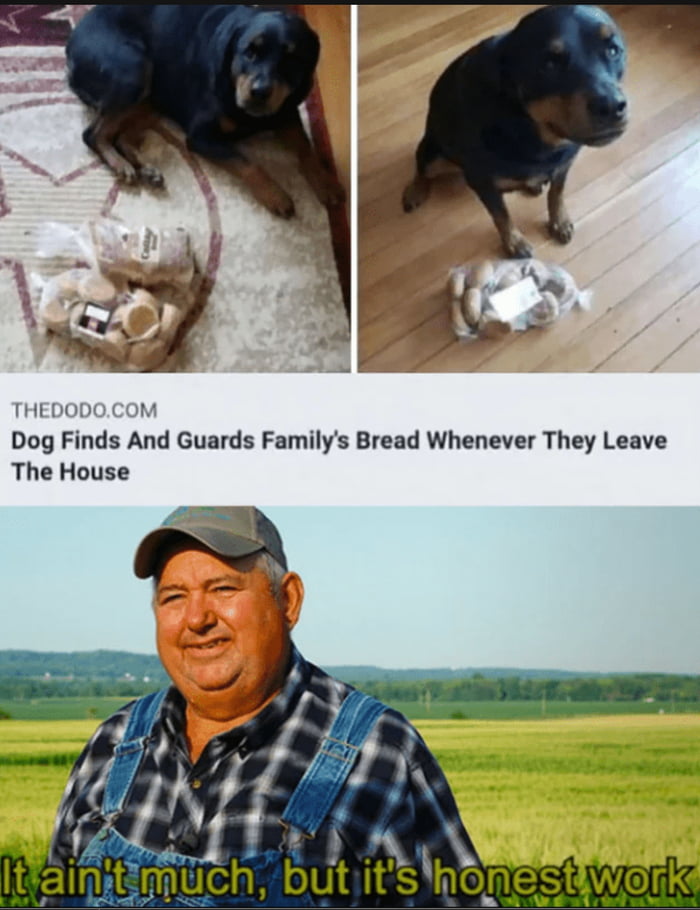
column 229, row 531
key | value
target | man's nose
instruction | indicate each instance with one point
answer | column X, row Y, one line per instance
column 200, row 614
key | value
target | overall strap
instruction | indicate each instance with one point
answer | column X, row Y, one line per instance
column 326, row 775
column 128, row 753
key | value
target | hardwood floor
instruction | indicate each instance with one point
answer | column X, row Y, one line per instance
column 332, row 22
column 636, row 205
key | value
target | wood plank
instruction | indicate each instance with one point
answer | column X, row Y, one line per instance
column 332, row 22
column 685, row 359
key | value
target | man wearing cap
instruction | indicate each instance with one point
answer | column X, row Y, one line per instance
column 256, row 779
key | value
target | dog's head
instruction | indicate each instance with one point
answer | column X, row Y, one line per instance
column 565, row 65
column 269, row 57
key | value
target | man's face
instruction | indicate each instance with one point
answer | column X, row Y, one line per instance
column 222, row 636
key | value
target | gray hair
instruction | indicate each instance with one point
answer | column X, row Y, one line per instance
column 274, row 571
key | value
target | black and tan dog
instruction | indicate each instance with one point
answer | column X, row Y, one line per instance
column 513, row 112
column 223, row 73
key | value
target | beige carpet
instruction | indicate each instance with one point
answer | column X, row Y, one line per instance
column 274, row 301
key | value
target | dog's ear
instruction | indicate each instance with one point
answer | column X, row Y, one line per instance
column 308, row 47
column 498, row 66
column 223, row 49
column 509, row 80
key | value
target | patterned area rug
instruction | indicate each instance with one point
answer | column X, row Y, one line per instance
column 274, row 298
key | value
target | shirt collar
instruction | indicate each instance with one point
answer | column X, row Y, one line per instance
column 254, row 732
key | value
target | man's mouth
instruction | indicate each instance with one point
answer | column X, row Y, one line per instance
column 205, row 647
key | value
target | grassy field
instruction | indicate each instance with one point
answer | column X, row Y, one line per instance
column 99, row 708
column 605, row 790
column 530, row 710
column 616, row 790
column 77, row 708
column 35, row 760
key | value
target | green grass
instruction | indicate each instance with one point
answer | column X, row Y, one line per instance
column 69, row 708
column 618, row 790
column 523, row 710
column 81, row 708
column 35, row 760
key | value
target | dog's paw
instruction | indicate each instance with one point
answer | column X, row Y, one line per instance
column 127, row 174
column 562, row 229
column 415, row 194
column 278, row 202
column 151, row 176
column 517, row 247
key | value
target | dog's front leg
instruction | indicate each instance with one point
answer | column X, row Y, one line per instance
column 322, row 182
column 266, row 190
column 561, row 227
column 513, row 241
column 210, row 141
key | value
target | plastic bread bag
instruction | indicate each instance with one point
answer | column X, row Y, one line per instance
column 494, row 298
column 130, row 325
column 146, row 255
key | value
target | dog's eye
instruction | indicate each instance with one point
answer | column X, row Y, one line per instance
column 613, row 50
column 252, row 52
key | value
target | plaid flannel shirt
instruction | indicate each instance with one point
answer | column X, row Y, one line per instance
column 396, row 805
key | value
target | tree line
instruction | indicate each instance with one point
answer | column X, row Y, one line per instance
column 79, row 664
column 25, row 689
column 634, row 687
column 628, row 687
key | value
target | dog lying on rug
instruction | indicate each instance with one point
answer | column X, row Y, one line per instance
column 222, row 73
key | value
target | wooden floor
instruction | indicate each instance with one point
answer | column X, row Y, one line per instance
column 332, row 22
column 636, row 205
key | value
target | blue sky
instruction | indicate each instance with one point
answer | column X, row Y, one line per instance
column 552, row 588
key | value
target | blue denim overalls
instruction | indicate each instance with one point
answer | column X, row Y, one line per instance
column 306, row 810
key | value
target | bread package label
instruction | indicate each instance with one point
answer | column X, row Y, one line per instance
column 517, row 299
column 94, row 320
column 148, row 246
column 147, row 255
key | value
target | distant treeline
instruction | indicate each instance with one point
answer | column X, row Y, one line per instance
column 80, row 664
column 116, row 664
column 636, row 687
column 13, row 689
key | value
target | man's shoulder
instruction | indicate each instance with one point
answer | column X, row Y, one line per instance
column 111, row 730
column 122, row 714
column 392, row 730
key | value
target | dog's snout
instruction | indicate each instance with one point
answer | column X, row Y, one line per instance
column 260, row 91
column 608, row 106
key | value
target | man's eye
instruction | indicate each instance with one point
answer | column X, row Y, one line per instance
column 169, row 599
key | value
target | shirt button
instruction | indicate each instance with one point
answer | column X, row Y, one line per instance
column 196, row 783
